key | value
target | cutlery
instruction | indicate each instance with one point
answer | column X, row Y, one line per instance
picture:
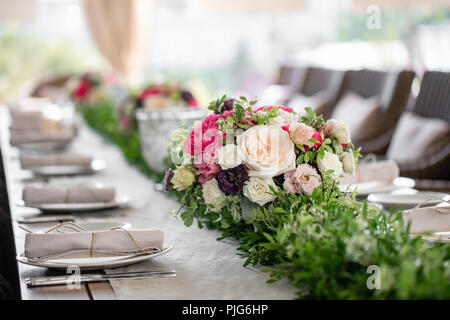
column 46, row 219
column 61, row 280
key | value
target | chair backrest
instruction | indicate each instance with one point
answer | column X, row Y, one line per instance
column 317, row 79
column 291, row 76
column 9, row 279
column 391, row 88
column 434, row 96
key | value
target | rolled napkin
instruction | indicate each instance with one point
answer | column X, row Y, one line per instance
column 34, row 136
column 429, row 219
column 55, row 159
column 82, row 193
column 384, row 171
column 90, row 244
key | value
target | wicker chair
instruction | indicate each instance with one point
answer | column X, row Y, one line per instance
column 9, row 280
column 291, row 76
column 393, row 91
column 321, row 79
column 433, row 102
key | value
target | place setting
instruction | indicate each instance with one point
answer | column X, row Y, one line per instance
column 61, row 164
column 268, row 163
column 374, row 176
column 42, row 126
column 79, row 197
column 93, row 245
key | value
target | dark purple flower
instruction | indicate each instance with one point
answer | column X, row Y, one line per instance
column 168, row 176
column 228, row 105
column 231, row 181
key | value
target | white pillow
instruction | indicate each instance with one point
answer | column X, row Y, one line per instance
column 362, row 115
column 416, row 137
column 275, row 95
column 299, row 102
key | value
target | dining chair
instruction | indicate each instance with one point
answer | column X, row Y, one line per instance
column 292, row 76
column 9, row 279
column 392, row 90
column 433, row 103
column 323, row 80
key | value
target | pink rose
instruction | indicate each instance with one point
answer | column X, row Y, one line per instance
column 207, row 171
column 203, row 135
column 304, row 179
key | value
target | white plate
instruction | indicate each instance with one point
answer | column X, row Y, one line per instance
column 366, row 188
column 92, row 263
column 435, row 236
column 407, row 201
column 119, row 201
column 95, row 166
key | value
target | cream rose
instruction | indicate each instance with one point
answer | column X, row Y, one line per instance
column 229, row 156
column 283, row 118
column 257, row 190
column 339, row 130
column 348, row 162
column 268, row 150
column 330, row 161
column 300, row 133
column 182, row 178
column 213, row 196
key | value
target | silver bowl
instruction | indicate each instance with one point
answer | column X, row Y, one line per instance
column 156, row 127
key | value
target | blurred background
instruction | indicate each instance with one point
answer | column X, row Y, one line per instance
column 233, row 46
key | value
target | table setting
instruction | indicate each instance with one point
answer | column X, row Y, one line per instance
column 129, row 250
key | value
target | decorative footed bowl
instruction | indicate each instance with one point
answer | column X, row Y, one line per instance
column 156, row 127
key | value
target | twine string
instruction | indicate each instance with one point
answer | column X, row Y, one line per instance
column 77, row 228
column 89, row 189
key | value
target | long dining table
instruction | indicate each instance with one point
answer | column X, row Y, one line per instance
column 206, row 268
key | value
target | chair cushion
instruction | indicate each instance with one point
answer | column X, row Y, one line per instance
column 316, row 101
column 416, row 137
column 362, row 115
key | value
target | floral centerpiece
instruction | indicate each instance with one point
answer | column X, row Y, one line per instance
column 153, row 97
column 244, row 152
column 87, row 89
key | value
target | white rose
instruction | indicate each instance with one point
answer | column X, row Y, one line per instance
column 229, row 156
column 330, row 161
column 268, row 150
column 283, row 118
column 339, row 130
column 257, row 190
column 348, row 162
column 213, row 196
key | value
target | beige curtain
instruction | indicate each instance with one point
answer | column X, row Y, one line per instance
column 120, row 29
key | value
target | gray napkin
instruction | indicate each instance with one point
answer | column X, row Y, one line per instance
column 55, row 159
column 87, row 244
column 34, row 136
column 83, row 193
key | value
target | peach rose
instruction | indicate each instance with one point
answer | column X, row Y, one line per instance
column 268, row 150
column 300, row 133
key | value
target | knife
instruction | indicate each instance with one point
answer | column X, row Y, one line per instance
column 96, row 277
